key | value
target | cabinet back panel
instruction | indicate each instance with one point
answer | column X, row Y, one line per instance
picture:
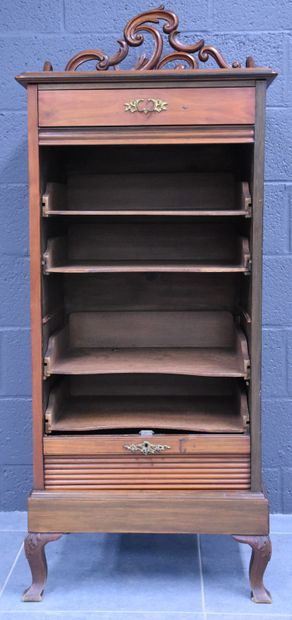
column 150, row 385
column 152, row 241
column 179, row 158
column 151, row 329
column 150, row 292
column 151, row 190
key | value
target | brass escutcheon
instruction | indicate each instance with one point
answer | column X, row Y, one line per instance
column 146, row 447
column 146, row 106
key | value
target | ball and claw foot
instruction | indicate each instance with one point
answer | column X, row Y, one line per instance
column 261, row 555
column 35, row 554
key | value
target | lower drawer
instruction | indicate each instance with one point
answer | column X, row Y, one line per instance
column 132, row 462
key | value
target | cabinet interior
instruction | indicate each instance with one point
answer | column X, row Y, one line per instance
column 146, row 402
column 146, row 288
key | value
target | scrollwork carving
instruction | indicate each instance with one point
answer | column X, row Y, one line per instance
column 209, row 50
column 134, row 36
column 182, row 56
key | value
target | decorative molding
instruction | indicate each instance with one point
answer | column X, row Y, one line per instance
column 109, row 135
column 134, row 37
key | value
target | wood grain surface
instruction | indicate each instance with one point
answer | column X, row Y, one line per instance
column 217, row 512
column 203, row 106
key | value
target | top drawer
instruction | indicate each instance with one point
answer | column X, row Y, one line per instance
column 151, row 106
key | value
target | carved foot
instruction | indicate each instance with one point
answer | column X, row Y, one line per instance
column 261, row 555
column 35, row 554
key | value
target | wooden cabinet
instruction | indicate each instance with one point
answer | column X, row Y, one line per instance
column 146, row 191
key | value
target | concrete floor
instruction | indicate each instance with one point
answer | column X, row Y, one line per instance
column 144, row 577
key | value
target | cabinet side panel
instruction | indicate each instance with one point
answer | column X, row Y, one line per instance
column 35, row 283
column 256, row 326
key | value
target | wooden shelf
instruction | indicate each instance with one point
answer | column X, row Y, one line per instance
column 146, row 267
column 211, row 362
column 151, row 212
column 186, row 194
column 67, row 413
column 120, row 248
column 206, row 344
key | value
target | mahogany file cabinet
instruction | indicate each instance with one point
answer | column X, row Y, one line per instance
column 146, row 192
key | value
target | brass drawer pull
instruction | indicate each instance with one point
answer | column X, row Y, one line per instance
column 146, row 447
column 150, row 105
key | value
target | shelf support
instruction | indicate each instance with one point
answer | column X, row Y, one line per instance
column 46, row 372
column 245, row 199
column 261, row 555
column 35, row 554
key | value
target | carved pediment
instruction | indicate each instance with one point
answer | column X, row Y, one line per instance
column 183, row 55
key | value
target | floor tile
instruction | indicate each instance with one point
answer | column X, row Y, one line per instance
column 115, row 573
column 35, row 615
column 225, row 570
column 13, row 521
column 281, row 523
column 9, row 545
column 244, row 616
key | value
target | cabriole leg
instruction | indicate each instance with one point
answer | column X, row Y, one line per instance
column 35, row 554
column 261, row 555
